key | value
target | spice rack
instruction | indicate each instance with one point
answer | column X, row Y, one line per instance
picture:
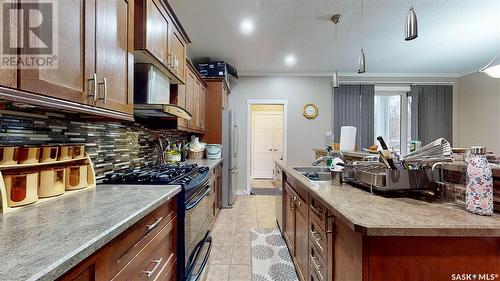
column 83, row 161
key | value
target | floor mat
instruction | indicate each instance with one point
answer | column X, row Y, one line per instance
column 271, row 260
column 265, row 191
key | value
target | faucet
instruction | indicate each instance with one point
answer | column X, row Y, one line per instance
column 329, row 156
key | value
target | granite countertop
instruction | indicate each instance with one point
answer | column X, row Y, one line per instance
column 375, row 215
column 45, row 240
column 204, row 162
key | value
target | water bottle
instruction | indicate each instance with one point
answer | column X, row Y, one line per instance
column 479, row 189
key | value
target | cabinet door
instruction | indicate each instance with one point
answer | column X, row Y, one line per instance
column 197, row 103
column 75, row 56
column 178, row 53
column 156, row 31
column 302, row 238
column 190, row 99
column 289, row 218
column 114, row 62
column 201, row 117
column 182, row 102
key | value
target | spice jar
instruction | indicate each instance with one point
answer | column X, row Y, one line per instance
column 8, row 155
column 28, row 154
column 65, row 152
column 49, row 153
column 76, row 177
column 21, row 188
column 52, row 182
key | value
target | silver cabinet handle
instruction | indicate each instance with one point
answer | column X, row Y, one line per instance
column 105, row 84
column 154, row 224
column 94, row 81
column 316, row 239
column 150, row 273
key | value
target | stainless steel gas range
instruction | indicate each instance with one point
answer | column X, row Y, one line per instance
column 195, row 213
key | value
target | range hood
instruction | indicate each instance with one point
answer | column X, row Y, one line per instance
column 152, row 94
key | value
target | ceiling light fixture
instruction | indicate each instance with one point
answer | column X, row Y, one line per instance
column 492, row 69
column 247, row 27
column 361, row 58
column 290, row 60
column 335, row 79
column 411, row 29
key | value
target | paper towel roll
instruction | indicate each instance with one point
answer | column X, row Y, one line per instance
column 347, row 138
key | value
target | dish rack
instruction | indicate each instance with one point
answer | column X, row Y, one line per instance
column 84, row 161
column 377, row 177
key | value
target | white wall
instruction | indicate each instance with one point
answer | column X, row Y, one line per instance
column 479, row 111
column 303, row 134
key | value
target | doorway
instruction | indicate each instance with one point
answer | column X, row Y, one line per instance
column 267, row 143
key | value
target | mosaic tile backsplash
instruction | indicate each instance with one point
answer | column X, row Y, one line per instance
column 111, row 145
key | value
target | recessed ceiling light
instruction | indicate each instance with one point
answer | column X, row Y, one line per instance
column 290, row 60
column 247, row 26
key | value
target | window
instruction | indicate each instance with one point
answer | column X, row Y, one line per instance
column 392, row 118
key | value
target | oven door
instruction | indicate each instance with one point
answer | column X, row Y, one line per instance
column 197, row 223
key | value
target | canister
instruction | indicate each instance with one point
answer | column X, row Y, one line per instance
column 78, row 151
column 8, row 155
column 28, row 154
column 52, row 182
column 65, row 152
column 49, row 153
column 76, row 177
column 22, row 188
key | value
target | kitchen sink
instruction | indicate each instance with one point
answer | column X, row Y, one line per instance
column 312, row 169
column 316, row 174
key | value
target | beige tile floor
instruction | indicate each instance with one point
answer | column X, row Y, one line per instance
column 261, row 183
column 230, row 259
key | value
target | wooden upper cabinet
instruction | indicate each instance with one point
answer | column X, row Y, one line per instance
column 202, row 102
column 75, row 56
column 113, row 60
column 177, row 63
column 191, row 99
column 151, row 29
column 160, row 39
column 182, row 102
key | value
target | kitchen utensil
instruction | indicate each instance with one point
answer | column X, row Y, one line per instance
column 8, row 155
column 337, row 178
column 28, row 154
column 65, row 152
column 52, row 182
column 22, row 189
column 385, row 154
column 76, row 177
column 78, row 151
column 49, row 153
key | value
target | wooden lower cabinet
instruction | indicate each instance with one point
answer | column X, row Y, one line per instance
column 145, row 251
column 337, row 252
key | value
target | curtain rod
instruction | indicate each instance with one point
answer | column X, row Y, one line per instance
column 398, row 82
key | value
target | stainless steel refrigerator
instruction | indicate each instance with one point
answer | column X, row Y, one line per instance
column 230, row 161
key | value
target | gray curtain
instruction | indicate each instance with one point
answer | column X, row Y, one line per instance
column 354, row 106
column 431, row 112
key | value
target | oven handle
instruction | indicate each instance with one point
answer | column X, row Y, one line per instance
column 191, row 205
column 196, row 276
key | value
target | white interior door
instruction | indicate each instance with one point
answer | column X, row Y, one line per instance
column 267, row 142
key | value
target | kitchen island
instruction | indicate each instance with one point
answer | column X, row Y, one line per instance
column 44, row 241
column 345, row 233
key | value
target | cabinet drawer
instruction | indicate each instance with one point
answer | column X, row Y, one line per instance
column 318, row 239
column 126, row 246
column 159, row 253
column 318, row 211
column 317, row 264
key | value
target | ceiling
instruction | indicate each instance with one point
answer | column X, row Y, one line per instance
column 456, row 37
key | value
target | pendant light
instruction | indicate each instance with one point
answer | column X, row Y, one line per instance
column 335, row 80
column 492, row 69
column 361, row 59
column 411, row 29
